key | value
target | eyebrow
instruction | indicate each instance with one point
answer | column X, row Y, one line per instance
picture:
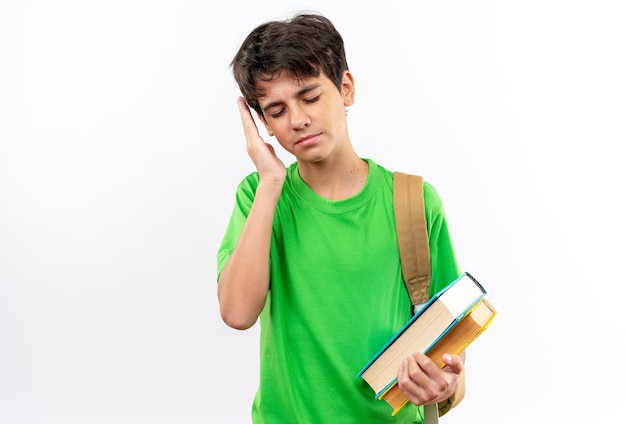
column 300, row 92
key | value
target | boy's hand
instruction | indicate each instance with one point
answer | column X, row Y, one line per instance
column 269, row 166
column 423, row 382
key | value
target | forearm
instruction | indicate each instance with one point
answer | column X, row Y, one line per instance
column 244, row 281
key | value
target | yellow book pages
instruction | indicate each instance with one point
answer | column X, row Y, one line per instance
column 465, row 332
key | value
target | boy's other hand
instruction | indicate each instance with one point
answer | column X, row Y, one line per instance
column 423, row 382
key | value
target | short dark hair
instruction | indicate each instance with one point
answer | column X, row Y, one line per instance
column 303, row 46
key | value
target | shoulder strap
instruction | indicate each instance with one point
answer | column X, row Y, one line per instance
column 408, row 202
column 408, row 206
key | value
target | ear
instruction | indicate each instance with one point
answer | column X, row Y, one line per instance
column 267, row 126
column 347, row 88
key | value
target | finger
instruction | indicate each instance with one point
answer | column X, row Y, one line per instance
column 434, row 380
column 249, row 126
column 427, row 365
column 411, row 390
column 418, row 386
column 419, row 369
column 243, row 106
column 453, row 363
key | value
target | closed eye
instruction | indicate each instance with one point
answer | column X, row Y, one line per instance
column 312, row 99
column 281, row 111
column 277, row 113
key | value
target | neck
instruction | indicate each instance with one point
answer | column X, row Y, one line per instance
column 335, row 181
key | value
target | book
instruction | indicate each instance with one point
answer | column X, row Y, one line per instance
column 473, row 323
column 423, row 330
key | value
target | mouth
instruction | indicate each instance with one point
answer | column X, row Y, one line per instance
column 308, row 139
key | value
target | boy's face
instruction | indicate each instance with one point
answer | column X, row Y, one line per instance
column 307, row 116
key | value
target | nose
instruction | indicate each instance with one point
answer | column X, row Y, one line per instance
column 300, row 118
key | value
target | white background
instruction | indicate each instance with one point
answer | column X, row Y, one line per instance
column 120, row 150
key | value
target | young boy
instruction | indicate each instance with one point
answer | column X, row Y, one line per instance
column 311, row 248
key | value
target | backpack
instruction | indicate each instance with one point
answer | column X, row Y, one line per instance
column 411, row 229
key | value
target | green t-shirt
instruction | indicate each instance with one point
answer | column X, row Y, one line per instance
column 336, row 297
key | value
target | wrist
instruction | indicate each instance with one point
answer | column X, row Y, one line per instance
column 269, row 188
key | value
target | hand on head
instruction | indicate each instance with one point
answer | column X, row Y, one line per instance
column 263, row 156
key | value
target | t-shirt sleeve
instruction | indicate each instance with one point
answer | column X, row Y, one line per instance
column 445, row 268
column 243, row 202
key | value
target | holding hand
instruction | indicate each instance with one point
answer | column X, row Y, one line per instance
column 423, row 382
